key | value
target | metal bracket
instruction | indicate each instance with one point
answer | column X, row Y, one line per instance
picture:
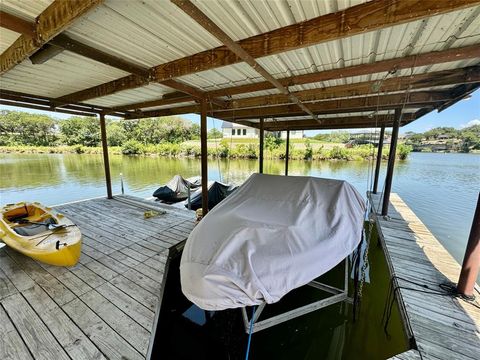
column 338, row 295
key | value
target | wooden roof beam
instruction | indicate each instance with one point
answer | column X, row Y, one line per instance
column 372, row 15
column 141, row 74
column 369, row 88
column 65, row 42
column 391, row 65
column 53, row 20
column 370, row 103
column 45, row 108
column 438, row 78
column 435, row 57
column 188, row 7
column 344, row 122
column 49, row 102
column 459, row 93
column 16, row 24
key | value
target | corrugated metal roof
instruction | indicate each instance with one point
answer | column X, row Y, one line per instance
column 7, row 38
column 25, row 9
column 152, row 32
column 146, row 93
column 397, row 41
column 61, row 75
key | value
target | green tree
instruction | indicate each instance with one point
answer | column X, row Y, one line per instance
column 215, row 134
column 172, row 129
column 22, row 128
column 80, row 131
column 116, row 134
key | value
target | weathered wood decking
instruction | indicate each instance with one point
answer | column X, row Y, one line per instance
column 442, row 327
column 105, row 306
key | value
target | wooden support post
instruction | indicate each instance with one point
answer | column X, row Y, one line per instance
column 287, row 152
column 379, row 159
column 471, row 260
column 204, row 155
column 391, row 161
column 106, row 162
column 260, row 151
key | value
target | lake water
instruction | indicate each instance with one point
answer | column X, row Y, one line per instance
column 442, row 189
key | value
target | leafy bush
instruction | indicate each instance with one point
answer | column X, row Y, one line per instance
column 132, row 147
column 339, row 153
column 403, row 151
column 308, row 155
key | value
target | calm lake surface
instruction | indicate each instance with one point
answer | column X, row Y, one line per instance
column 442, row 189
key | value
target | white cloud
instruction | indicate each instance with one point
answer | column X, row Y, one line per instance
column 470, row 123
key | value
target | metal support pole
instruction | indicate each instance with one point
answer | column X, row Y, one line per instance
column 379, row 159
column 106, row 163
column 471, row 260
column 204, row 155
column 260, row 150
column 287, row 152
column 391, row 161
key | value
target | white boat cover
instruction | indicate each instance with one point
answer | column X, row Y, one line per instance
column 272, row 235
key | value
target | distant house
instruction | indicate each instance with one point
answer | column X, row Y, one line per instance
column 443, row 137
column 234, row 130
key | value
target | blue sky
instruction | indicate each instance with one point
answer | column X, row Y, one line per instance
column 463, row 113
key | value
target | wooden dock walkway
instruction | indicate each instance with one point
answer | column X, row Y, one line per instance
column 439, row 326
column 102, row 308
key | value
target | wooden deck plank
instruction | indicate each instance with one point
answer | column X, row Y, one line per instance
column 128, row 305
column 6, row 286
column 121, row 323
column 112, row 345
column 444, row 327
column 59, row 292
column 143, row 296
column 17, row 276
column 72, row 339
column 104, row 306
column 12, row 346
column 33, row 331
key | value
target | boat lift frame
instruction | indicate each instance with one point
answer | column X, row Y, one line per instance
column 338, row 295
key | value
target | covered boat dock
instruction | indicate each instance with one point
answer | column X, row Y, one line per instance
column 272, row 65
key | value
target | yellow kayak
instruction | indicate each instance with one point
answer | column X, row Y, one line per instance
column 40, row 233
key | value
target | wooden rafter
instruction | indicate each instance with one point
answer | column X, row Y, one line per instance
column 372, row 15
column 67, row 43
column 391, row 65
column 196, row 14
column 48, row 104
column 16, row 24
column 417, row 81
column 54, row 19
column 459, row 93
column 330, row 123
column 201, row 61
column 141, row 74
column 369, row 103
column 421, row 81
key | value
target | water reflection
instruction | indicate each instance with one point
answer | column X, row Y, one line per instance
column 441, row 189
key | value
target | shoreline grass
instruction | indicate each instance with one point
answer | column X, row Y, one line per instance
column 298, row 151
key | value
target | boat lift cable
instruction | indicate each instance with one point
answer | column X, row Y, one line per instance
column 250, row 332
column 407, row 96
column 216, row 143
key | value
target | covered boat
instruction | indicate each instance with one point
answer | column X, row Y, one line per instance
column 176, row 190
column 217, row 191
column 40, row 233
column 272, row 235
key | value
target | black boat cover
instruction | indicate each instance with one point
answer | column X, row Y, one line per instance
column 216, row 193
column 176, row 189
